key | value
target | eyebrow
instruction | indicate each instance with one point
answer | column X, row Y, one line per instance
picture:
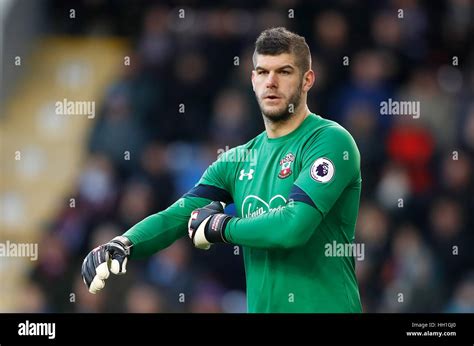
column 278, row 69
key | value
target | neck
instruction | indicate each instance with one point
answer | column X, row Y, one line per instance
column 282, row 128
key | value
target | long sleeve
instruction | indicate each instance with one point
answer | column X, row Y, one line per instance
column 316, row 190
column 160, row 230
column 284, row 228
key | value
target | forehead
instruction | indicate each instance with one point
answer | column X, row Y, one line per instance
column 271, row 62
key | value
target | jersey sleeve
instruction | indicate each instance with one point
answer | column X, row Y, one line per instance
column 266, row 232
column 216, row 174
column 158, row 231
column 216, row 182
column 330, row 164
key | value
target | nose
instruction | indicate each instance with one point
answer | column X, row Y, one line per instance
column 271, row 81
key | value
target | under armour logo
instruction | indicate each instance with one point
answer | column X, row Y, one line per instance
column 249, row 175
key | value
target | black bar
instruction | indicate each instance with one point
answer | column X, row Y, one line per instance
column 288, row 329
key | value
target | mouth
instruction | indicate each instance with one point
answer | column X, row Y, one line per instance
column 272, row 97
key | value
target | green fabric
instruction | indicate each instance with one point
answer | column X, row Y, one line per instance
column 160, row 230
column 285, row 242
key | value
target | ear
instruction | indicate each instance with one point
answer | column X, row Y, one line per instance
column 253, row 79
column 308, row 80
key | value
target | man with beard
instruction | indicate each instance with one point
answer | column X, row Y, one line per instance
column 299, row 195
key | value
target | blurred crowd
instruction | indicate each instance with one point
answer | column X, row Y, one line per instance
column 187, row 93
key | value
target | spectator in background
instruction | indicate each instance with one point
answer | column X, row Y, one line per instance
column 118, row 135
column 456, row 176
column 156, row 45
column 331, row 38
column 436, row 107
column 207, row 297
column 393, row 189
column 410, row 274
column 240, row 82
column 143, row 298
column 188, row 98
column 463, row 297
column 173, row 273
column 228, row 126
column 367, row 88
column 135, row 203
column 84, row 301
column 155, row 170
column 51, row 272
column 450, row 241
column 32, row 299
column 412, row 145
column 372, row 230
column 362, row 123
column 97, row 185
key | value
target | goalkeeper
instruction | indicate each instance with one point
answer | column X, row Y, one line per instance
column 300, row 195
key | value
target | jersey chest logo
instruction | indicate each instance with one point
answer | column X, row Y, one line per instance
column 248, row 175
column 253, row 206
column 285, row 164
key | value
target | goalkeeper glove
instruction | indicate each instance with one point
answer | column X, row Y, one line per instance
column 207, row 225
column 106, row 258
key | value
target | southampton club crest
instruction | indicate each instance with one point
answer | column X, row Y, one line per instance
column 322, row 170
column 285, row 164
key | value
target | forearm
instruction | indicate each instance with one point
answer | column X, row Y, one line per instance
column 160, row 230
column 283, row 228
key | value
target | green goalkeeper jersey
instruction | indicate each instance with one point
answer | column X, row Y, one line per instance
column 296, row 199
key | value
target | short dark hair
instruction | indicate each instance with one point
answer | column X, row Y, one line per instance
column 275, row 41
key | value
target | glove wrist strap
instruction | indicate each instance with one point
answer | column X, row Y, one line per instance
column 124, row 242
column 215, row 230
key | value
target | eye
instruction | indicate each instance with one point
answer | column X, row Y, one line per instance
column 285, row 72
column 262, row 72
